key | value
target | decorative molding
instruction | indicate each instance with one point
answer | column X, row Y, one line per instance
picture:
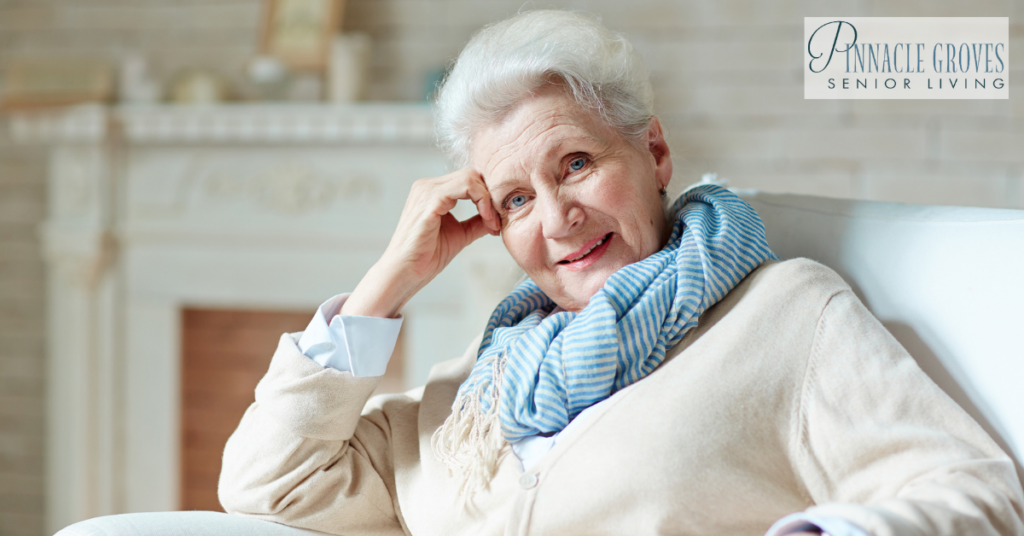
column 79, row 256
column 291, row 188
column 76, row 124
column 279, row 123
column 76, row 181
column 288, row 189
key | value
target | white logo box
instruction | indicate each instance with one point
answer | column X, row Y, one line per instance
column 906, row 58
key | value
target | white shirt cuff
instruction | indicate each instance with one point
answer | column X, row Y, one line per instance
column 361, row 345
column 801, row 522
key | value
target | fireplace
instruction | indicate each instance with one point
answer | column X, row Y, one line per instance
column 158, row 213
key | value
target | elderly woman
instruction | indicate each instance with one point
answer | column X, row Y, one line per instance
column 660, row 372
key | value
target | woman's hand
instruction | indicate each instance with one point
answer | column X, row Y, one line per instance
column 428, row 237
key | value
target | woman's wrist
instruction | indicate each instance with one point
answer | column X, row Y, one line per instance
column 381, row 293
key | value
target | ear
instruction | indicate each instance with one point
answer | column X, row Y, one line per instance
column 658, row 147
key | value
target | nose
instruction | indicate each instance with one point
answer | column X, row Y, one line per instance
column 560, row 215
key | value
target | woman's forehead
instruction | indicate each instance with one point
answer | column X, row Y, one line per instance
column 541, row 128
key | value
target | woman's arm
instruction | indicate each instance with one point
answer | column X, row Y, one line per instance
column 428, row 237
column 883, row 447
column 304, row 456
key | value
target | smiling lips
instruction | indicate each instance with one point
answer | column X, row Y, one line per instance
column 587, row 255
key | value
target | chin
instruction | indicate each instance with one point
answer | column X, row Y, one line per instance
column 579, row 296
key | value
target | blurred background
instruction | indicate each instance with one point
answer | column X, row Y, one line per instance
column 181, row 181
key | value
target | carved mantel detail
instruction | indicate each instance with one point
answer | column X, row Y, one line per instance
column 292, row 188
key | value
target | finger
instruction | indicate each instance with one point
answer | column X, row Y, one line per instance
column 491, row 218
column 474, row 228
column 468, row 184
column 443, row 197
column 481, row 197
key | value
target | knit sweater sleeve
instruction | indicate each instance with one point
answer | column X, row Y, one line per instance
column 304, row 454
column 882, row 446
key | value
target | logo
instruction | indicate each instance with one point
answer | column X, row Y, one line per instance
column 906, row 57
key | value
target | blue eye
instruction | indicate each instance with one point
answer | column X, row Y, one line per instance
column 577, row 164
column 516, row 201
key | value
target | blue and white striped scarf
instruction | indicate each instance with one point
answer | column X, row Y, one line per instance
column 539, row 369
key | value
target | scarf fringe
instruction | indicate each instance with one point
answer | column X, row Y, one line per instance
column 470, row 443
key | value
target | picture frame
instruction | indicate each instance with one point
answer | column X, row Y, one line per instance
column 45, row 82
column 299, row 32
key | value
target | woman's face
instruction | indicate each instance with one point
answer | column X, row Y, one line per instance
column 577, row 201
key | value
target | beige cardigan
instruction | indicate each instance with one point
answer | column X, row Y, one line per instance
column 788, row 396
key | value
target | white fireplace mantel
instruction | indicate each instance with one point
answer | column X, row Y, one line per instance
column 291, row 124
column 155, row 208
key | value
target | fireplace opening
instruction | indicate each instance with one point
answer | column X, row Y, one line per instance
column 225, row 352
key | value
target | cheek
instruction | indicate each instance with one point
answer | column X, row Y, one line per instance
column 637, row 211
column 519, row 245
column 619, row 198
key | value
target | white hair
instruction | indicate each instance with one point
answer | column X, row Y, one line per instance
column 508, row 60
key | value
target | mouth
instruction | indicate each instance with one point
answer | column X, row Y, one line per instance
column 588, row 254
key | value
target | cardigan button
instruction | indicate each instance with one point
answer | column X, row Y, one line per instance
column 528, row 480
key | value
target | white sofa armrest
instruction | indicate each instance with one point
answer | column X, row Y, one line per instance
column 191, row 523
